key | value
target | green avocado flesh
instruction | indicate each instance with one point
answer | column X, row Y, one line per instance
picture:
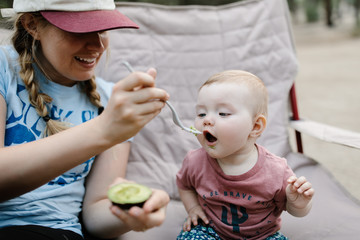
column 126, row 195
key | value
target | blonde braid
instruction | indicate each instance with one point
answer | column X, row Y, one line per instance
column 89, row 87
column 26, row 46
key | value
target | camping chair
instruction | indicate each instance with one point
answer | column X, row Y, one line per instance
column 187, row 44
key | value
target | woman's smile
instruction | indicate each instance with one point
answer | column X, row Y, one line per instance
column 85, row 60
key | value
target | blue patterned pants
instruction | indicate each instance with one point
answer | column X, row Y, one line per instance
column 208, row 233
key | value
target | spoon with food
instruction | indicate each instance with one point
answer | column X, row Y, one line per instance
column 175, row 116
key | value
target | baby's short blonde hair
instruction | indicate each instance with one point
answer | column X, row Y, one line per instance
column 249, row 80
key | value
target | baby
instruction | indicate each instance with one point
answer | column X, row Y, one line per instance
column 234, row 187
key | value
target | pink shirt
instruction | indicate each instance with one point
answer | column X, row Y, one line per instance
column 246, row 206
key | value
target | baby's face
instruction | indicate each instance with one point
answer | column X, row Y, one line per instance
column 225, row 116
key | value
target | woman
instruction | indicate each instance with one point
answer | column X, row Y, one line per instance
column 53, row 134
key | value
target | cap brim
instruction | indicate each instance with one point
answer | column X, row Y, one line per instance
column 88, row 21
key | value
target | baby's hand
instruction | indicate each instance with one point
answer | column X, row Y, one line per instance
column 299, row 192
column 194, row 214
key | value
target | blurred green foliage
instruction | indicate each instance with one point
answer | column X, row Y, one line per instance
column 183, row 2
column 6, row 3
column 3, row 22
column 312, row 10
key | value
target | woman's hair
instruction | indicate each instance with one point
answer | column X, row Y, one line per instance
column 28, row 49
column 255, row 85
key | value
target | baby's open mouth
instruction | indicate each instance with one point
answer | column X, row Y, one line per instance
column 209, row 137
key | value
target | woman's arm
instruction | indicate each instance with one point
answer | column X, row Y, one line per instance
column 27, row 166
column 97, row 217
column 102, row 219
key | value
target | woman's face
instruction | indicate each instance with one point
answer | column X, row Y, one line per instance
column 70, row 57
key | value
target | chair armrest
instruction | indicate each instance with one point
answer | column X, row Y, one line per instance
column 327, row 133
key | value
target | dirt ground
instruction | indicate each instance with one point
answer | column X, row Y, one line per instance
column 328, row 87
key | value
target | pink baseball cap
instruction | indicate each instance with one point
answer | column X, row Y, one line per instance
column 88, row 21
column 78, row 16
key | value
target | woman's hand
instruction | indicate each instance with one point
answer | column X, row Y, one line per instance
column 152, row 214
column 134, row 102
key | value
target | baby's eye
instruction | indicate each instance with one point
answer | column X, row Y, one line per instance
column 223, row 114
column 201, row 115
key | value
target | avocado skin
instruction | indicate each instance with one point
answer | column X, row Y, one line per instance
column 127, row 206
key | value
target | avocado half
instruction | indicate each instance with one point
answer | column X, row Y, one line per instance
column 127, row 195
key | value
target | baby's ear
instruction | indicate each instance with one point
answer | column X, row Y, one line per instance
column 259, row 126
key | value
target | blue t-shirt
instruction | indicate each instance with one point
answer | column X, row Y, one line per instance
column 56, row 204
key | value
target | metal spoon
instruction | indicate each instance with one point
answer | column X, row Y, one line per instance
column 175, row 116
column 177, row 121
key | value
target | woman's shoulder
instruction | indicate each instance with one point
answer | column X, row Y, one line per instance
column 8, row 53
column 9, row 68
column 9, row 60
column 8, row 56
